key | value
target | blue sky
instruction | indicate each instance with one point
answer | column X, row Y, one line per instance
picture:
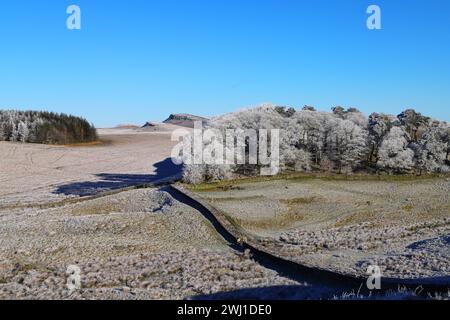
column 140, row 60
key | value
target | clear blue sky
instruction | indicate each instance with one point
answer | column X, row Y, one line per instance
column 140, row 60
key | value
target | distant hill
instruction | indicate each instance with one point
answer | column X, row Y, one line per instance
column 126, row 126
column 184, row 120
column 149, row 125
column 157, row 127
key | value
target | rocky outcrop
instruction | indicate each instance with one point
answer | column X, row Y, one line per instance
column 148, row 125
column 184, row 120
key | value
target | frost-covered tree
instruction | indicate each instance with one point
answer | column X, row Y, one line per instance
column 2, row 132
column 339, row 112
column 286, row 112
column 44, row 127
column 347, row 146
column 415, row 124
column 14, row 134
column 446, row 138
column 343, row 140
column 307, row 130
column 194, row 174
column 394, row 154
column 263, row 117
column 308, row 108
column 379, row 126
column 357, row 117
column 296, row 159
column 432, row 150
column 23, row 132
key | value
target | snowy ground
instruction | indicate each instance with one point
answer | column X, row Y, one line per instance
column 145, row 244
column 403, row 226
column 138, row 244
column 33, row 173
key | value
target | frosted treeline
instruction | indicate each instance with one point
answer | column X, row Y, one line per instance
column 44, row 127
column 342, row 141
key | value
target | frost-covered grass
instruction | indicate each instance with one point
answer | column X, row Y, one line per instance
column 399, row 294
column 140, row 244
column 168, row 275
column 34, row 173
column 225, row 185
column 345, row 223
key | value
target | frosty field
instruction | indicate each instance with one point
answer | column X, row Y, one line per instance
column 34, row 173
column 149, row 244
column 139, row 244
column 142, row 244
column 344, row 225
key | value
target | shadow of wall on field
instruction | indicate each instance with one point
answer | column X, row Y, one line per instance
column 445, row 240
column 287, row 292
column 294, row 292
column 112, row 181
column 317, row 283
